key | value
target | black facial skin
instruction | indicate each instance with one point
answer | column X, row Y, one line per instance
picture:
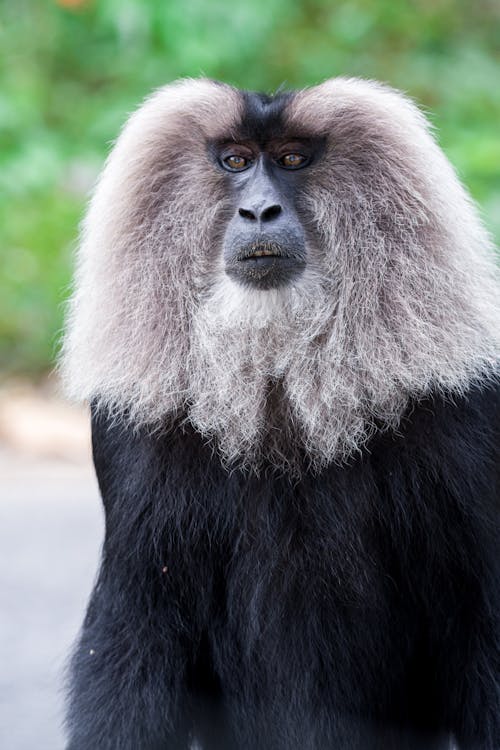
column 264, row 244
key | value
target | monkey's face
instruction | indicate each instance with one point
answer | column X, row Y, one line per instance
column 264, row 244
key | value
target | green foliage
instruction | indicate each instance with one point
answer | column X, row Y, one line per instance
column 71, row 71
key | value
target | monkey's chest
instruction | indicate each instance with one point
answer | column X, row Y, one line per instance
column 309, row 598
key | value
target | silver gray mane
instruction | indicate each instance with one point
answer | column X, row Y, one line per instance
column 400, row 298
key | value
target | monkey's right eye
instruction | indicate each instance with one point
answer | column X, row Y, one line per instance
column 235, row 163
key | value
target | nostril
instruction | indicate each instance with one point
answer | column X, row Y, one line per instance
column 271, row 213
column 247, row 214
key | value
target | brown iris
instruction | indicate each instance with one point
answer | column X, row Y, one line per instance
column 292, row 161
column 236, row 162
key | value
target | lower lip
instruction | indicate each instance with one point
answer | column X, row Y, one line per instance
column 265, row 271
column 264, row 260
column 266, row 266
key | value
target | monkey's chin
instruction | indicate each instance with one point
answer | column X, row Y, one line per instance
column 265, row 272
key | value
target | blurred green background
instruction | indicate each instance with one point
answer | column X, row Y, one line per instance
column 71, row 71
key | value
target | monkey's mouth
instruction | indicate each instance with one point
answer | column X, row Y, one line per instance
column 265, row 264
column 262, row 250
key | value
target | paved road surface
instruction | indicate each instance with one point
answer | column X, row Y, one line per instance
column 50, row 535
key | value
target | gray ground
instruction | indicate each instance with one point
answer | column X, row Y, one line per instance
column 50, row 534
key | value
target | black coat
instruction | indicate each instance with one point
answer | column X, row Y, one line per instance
column 356, row 609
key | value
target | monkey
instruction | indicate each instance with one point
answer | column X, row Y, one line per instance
column 285, row 320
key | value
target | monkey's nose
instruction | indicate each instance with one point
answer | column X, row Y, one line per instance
column 264, row 214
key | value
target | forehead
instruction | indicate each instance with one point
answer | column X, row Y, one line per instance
column 263, row 117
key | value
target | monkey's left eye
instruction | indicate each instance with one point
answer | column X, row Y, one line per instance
column 292, row 161
column 235, row 163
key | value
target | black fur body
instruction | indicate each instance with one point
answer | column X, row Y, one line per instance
column 354, row 609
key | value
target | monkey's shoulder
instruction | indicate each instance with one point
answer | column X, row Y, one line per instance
column 446, row 424
column 445, row 451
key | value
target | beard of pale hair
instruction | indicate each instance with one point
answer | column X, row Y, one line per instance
column 257, row 369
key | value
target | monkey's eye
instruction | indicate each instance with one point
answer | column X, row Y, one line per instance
column 235, row 162
column 292, row 161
